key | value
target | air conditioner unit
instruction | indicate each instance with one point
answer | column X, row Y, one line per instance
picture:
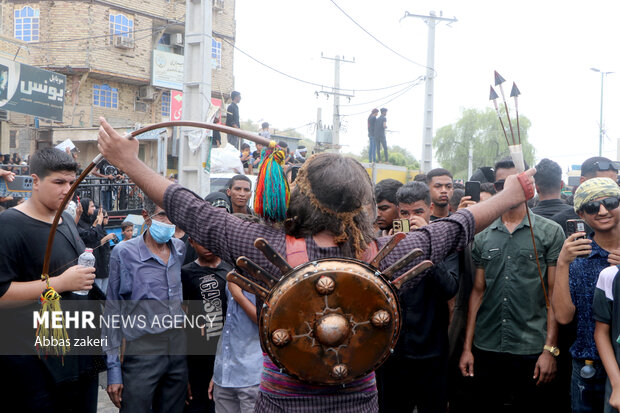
column 176, row 39
column 146, row 93
column 123, row 42
column 218, row 4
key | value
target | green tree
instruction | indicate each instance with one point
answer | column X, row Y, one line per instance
column 397, row 155
column 482, row 130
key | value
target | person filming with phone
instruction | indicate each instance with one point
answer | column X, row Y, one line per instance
column 582, row 258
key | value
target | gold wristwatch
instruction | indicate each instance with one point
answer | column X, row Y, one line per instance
column 553, row 350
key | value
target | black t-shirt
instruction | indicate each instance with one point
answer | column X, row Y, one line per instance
column 232, row 115
column 22, row 244
column 204, row 291
column 106, row 168
column 550, row 207
column 379, row 129
column 372, row 120
column 564, row 216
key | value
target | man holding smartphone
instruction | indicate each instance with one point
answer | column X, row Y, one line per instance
column 579, row 264
column 595, row 167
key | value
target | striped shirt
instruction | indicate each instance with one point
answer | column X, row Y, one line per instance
column 229, row 237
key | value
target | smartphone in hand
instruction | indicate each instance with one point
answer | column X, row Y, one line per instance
column 400, row 225
column 575, row 225
column 472, row 189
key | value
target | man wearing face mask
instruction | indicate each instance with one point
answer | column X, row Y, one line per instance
column 145, row 283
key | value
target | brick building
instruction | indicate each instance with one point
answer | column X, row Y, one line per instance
column 107, row 49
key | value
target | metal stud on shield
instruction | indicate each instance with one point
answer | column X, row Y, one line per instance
column 332, row 320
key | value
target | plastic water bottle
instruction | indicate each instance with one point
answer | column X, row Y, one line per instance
column 87, row 259
column 588, row 370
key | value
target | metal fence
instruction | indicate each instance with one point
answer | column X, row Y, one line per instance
column 18, row 169
column 117, row 195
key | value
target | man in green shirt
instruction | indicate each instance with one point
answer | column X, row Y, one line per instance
column 511, row 336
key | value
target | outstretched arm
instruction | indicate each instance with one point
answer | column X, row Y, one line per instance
column 123, row 153
column 513, row 194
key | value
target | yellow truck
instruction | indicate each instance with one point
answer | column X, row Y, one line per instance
column 379, row 172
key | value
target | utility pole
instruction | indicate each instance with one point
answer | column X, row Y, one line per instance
column 319, row 125
column 601, row 130
column 470, row 159
column 337, row 93
column 196, row 94
column 427, row 135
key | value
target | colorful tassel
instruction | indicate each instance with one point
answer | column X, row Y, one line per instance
column 53, row 340
column 272, row 190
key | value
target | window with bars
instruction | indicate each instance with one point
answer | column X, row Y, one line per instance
column 216, row 54
column 165, row 103
column 105, row 96
column 121, row 25
column 27, row 24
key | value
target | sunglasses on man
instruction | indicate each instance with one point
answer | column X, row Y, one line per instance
column 593, row 207
column 606, row 166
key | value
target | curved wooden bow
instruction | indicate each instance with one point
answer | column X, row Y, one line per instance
column 203, row 125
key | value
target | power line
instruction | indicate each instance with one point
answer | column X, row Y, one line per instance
column 419, row 79
column 292, row 129
column 77, row 39
column 39, row 45
column 407, row 89
column 379, row 41
column 307, row 81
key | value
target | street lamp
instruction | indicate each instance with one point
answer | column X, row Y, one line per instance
column 600, row 132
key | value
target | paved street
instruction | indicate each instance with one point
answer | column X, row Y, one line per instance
column 104, row 404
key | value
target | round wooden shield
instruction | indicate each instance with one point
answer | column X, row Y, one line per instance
column 330, row 321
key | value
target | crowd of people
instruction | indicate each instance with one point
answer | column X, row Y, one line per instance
column 499, row 323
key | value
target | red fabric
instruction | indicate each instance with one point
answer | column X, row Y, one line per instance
column 297, row 254
column 526, row 184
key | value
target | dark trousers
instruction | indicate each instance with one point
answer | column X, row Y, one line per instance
column 200, row 369
column 588, row 395
column 404, row 384
column 381, row 142
column 503, row 383
column 155, row 374
column 27, row 386
column 567, row 335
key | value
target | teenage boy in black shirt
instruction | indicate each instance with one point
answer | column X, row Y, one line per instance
column 30, row 383
column 204, row 291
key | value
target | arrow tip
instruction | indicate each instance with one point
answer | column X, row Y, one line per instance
column 498, row 79
column 493, row 95
column 515, row 90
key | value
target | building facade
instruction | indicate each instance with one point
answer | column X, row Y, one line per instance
column 123, row 60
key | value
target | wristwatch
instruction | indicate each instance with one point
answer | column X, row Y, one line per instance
column 553, row 350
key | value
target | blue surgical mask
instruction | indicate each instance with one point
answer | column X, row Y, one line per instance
column 161, row 232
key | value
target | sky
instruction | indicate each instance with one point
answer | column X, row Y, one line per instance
column 547, row 47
